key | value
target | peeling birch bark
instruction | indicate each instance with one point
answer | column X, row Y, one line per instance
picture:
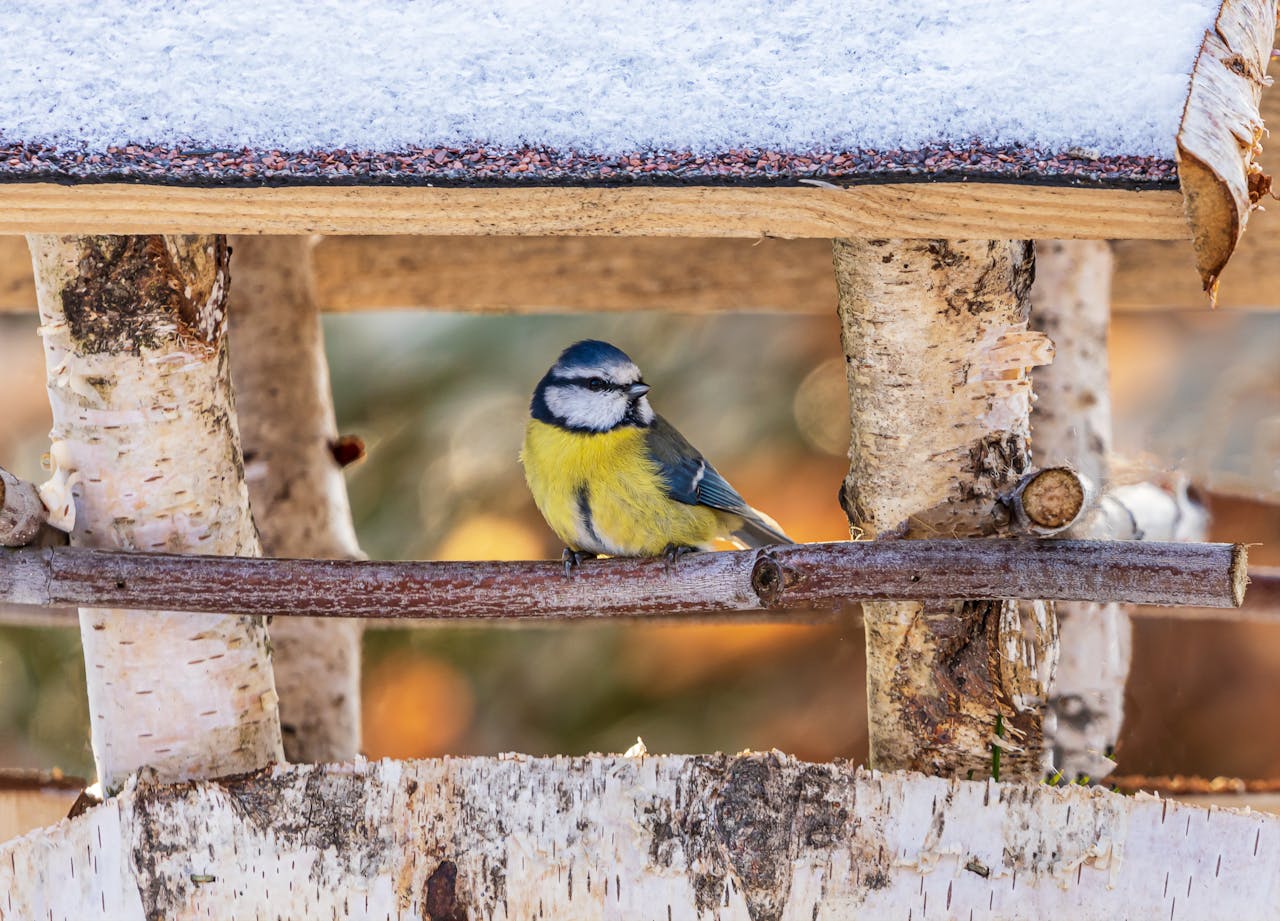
column 670, row 837
column 937, row 350
column 22, row 514
column 1219, row 140
column 296, row 489
column 146, row 457
column 1072, row 423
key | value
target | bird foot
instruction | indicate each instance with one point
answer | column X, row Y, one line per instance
column 674, row 552
column 573, row 558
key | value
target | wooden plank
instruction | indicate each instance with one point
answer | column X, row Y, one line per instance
column 573, row 274
column 604, row 274
column 924, row 210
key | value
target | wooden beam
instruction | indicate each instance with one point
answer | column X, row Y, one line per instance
column 923, row 210
column 572, row 274
column 603, row 274
column 792, row 576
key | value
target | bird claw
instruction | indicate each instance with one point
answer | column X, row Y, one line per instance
column 574, row 558
column 674, row 552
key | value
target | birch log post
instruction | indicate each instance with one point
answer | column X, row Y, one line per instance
column 1072, row 423
column 296, row 489
column 667, row 838
column 937, row 351
column 145, row 456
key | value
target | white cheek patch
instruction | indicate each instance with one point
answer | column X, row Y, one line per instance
column 584, row 409
column 644, row 410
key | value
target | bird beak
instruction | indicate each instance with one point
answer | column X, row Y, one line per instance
column 637, row 390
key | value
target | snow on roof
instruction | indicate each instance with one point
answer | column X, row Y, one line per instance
column 1097, row 78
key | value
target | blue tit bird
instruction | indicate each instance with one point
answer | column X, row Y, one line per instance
column 613, row 478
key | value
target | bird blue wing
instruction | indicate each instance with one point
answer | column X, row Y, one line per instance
column 690, row 479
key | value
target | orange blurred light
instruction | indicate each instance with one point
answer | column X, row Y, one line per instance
column 415, row 707
column 678, row 656
column 491, row 537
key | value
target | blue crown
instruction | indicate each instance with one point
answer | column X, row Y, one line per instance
column 591, row 353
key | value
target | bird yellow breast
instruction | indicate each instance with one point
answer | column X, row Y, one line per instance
column 612, row 475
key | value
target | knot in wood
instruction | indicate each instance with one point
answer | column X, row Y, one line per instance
column 767, row 579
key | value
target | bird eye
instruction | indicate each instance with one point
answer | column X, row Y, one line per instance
column 595, row 385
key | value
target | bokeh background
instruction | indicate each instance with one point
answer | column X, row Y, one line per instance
column 440, row 402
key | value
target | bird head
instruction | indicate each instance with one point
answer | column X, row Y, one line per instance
column 593, row 387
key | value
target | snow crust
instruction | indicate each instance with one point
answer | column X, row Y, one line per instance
column 601, row 77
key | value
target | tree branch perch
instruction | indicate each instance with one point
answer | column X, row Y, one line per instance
column 805, row 575
column 1261, row 606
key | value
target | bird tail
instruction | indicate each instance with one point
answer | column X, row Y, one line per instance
column 759, row 530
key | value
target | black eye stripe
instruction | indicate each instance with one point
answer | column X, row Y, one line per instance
column 585, row 383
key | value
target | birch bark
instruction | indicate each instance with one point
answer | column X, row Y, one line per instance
column 145, row 456
column 760, row 837
column 937, row 350
column 1072, row 424
column 296, row 488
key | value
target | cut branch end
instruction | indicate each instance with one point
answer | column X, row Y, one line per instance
column 22, row 513
column 1239, row 573
column 1049, row 501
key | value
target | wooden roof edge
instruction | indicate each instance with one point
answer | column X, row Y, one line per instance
column 921, row 210
column 1219, row 137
